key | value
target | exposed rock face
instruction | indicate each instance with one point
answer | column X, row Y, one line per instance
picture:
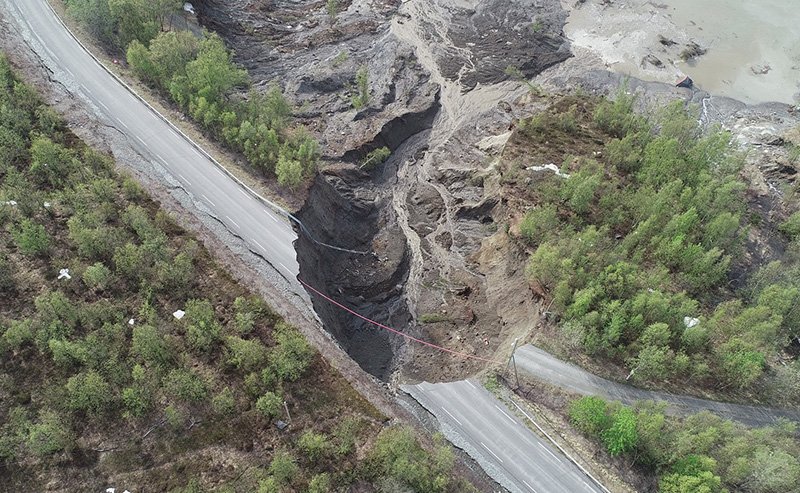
column 344, row 208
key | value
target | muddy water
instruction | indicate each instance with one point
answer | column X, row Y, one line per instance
column 743, row 35
column 753, row 47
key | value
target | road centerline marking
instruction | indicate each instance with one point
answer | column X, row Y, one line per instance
column 505, row 414
column 234, row 222
column 470, row 384
column 142, row 141
column 209, row 200
column 529, row 486
column 490, row 451
column 184, row 179
column 284, row 267
column 454, row 418
column 123, row 123
column 242, row 190
column 548, row 451
column 258, row 244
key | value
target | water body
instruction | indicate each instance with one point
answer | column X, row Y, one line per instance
column 753, row 46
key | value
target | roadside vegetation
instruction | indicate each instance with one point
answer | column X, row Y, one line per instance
column 700, row 454
column 103, row 381
column 639, row 244
column 199, row 76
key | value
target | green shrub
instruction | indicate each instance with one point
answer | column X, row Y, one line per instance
column 97, row 276
column 89, row 392
column 186, row 385
column 590, row 415
column 224, row 402
column 270, row 405
column 292, row 355
column 376, row 157
column 202, row 328
column 137, row 401
column 397, row 455
column 432, row 318
column 539, row 224
column 320, row 483
column 314, row 445
column 31, row 238
column 283, row 467
column 289, row 171
column 50, row 434
column 245, row 355
column 149, row 345
column 791, row 227
column 18, row 333
column 617, row 117
column 621, row 437
column 362, row 97
column 68, row 354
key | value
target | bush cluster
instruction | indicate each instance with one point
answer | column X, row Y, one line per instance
column 702, row 453
column 198, row 74
column 635, row 247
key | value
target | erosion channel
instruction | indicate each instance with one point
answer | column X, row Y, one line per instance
column 436, row 71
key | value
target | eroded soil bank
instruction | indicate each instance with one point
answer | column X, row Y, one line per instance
column 432, row 67
column 435, row 216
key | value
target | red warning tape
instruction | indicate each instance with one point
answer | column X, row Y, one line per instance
column 395, row 331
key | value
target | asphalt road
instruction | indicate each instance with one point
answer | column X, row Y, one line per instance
column 545, row 366
column 475, row 421
column 266, row 232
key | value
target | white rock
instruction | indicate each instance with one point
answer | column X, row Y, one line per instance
column 179, row 314
column 131, row 322
column 110, row 490
column 690, row 322
column 12, row 203
column 552, row 167
column 47, row 205
column 64, row 274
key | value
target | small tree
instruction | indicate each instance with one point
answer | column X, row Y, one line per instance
column 224, row 403
column 245, row 355
column 88, row 392
column 361, row 98
column 269, row 405
column 49, row 435
column 589, row 414
column 97, row 276
column 31, row 238
column 186, row 385
column 332, row 8
column 539, row 224
column 148, row 344
column 320, row 483
column 283, row 467
column 314, row 445
column 202, row 330
column 292, row 355
column 289, row 171
column 622, row 436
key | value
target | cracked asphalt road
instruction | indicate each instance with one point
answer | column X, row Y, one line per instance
column 267, row 233
column 547, row 367
column 477, row 422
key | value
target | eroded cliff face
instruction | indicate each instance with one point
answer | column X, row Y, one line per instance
column 437, row 84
